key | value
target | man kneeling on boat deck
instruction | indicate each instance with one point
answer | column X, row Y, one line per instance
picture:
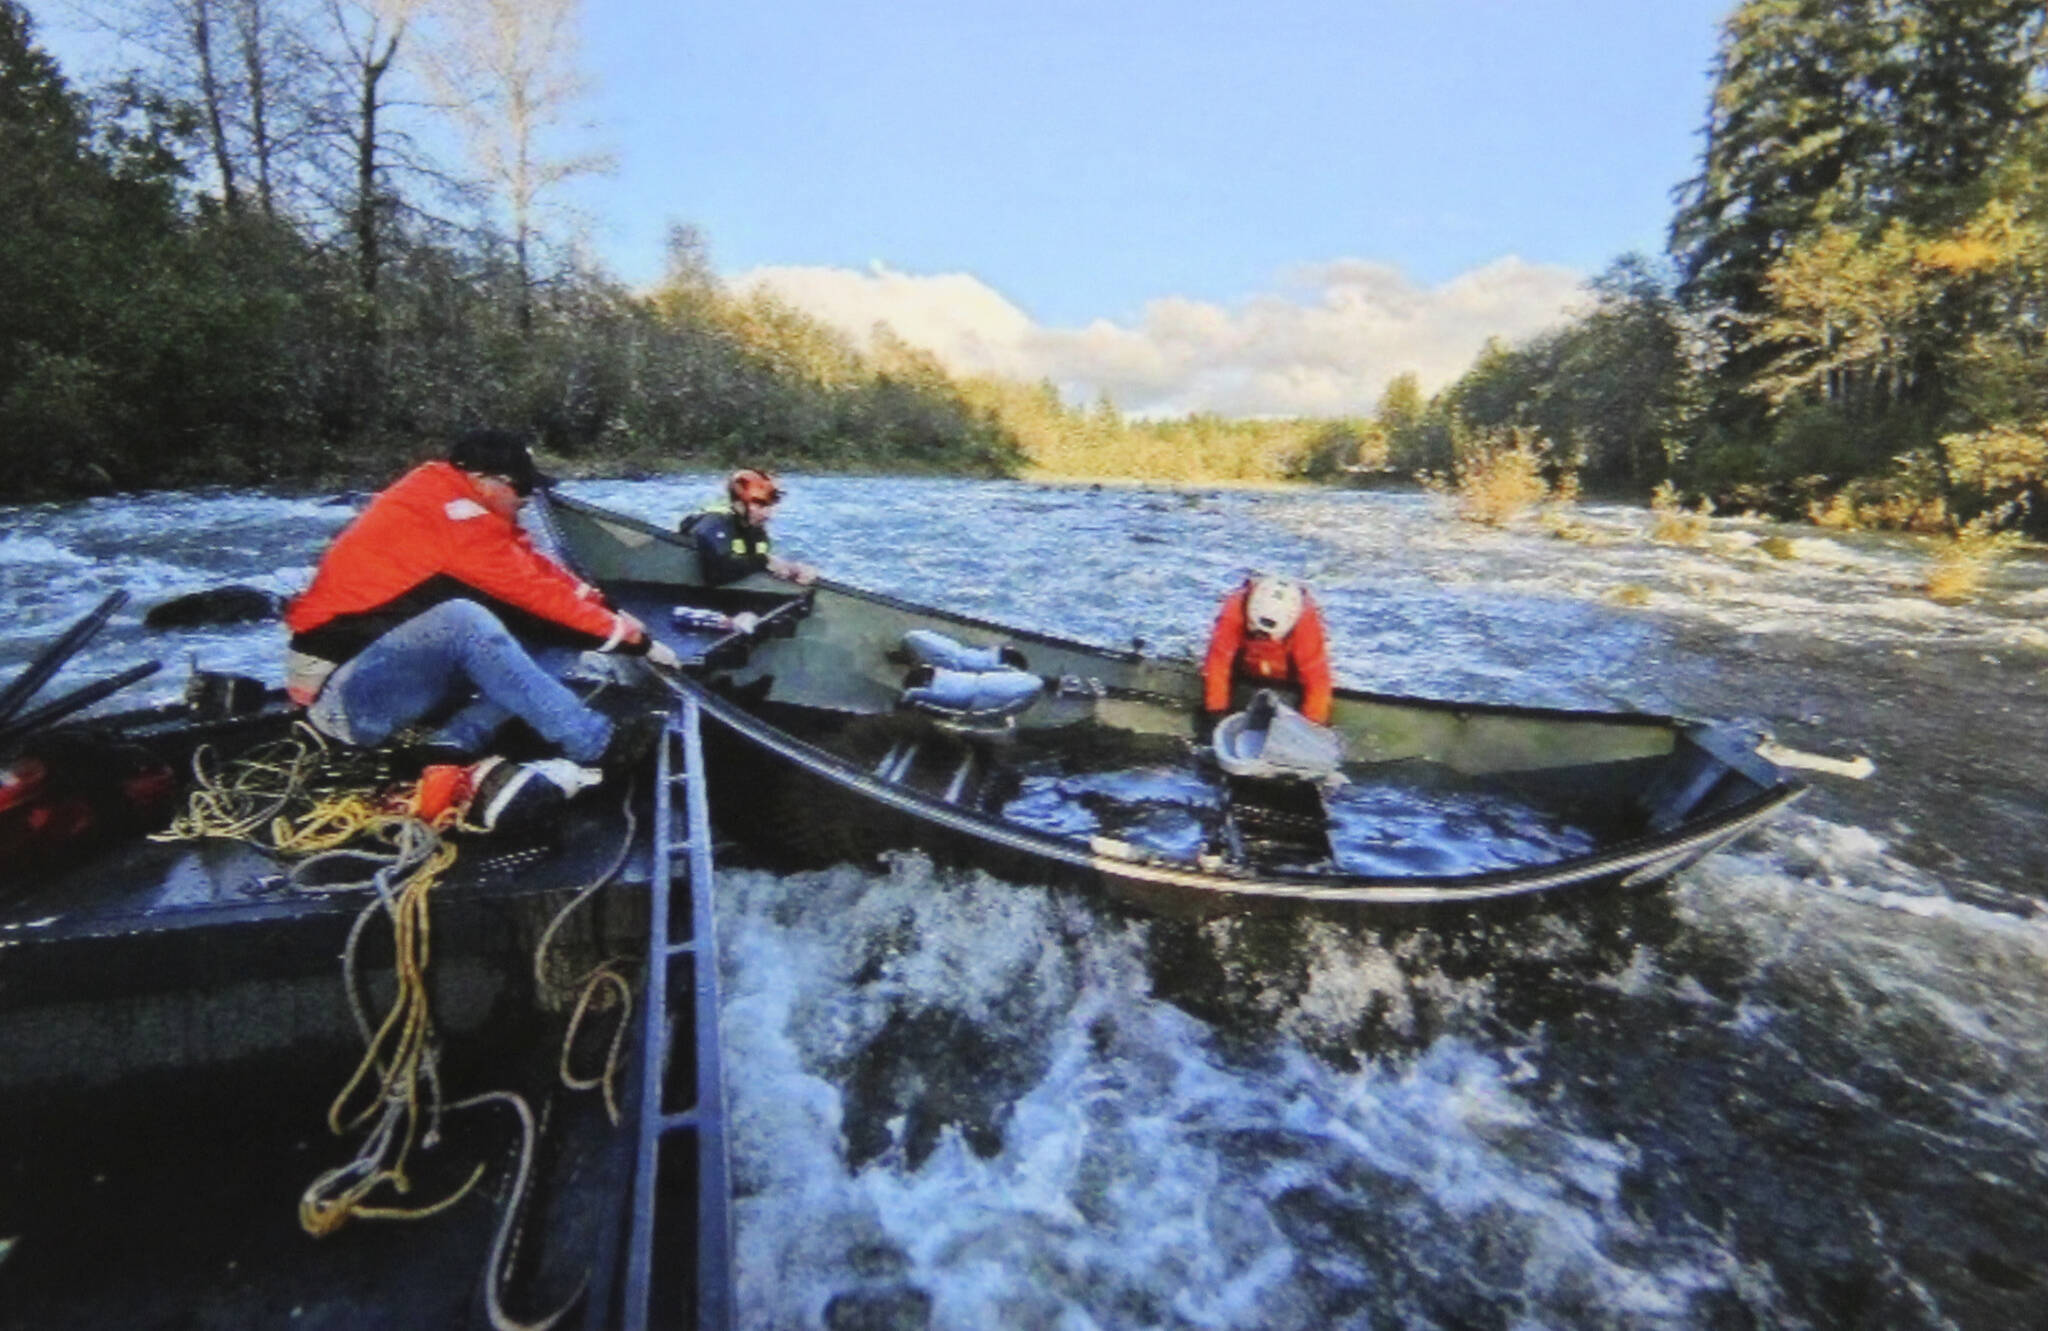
column 1268, row 634
column 732, row 537
column 406, row 617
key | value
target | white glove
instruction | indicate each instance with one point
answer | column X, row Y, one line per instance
column 746, row 621
column 663, row 657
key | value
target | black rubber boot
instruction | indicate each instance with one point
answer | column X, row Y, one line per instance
column 633, row 738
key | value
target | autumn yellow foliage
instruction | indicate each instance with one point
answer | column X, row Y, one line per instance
column 1909, row 498
column 1964, row 559
column 1672, row 522
column 1100, row 442
column 1499, row 474
column 1998, row 460
column 1846, row 307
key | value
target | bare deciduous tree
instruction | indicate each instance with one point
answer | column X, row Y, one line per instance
column 199, row 25
column 370, row 36
column 250, row 71
column 509, row 69
column 277, row 90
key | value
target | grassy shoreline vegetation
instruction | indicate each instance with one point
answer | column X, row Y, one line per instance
column 237, row 267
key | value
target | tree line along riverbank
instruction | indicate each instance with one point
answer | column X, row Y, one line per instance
column 239, row 269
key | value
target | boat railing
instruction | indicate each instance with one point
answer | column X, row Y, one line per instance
column 682, row 833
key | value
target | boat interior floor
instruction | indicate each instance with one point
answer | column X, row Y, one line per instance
column 141, row 885
column 168, row 1199
column 1155, row 793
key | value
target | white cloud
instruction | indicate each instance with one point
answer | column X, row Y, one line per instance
column 1325, row 342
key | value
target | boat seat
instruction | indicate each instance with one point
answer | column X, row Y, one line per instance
column 1275, row 822
column 927, row 647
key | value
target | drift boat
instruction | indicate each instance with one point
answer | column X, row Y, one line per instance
column 832, row 735
column 178, row 1018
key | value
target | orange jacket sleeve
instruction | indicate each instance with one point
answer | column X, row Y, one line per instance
column 1309, row 647
column 1224, row 640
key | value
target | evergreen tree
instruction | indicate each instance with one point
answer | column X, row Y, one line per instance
column 1790, row 118
column 1858, row 155
column 1853, row 113
column 1622, row 391
column 72, row 228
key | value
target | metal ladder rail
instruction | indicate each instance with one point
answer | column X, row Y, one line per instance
column 705, row 1119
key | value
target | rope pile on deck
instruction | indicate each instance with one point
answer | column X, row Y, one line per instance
column 327, row 809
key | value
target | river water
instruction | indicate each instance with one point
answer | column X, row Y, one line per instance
column 1805, row 1084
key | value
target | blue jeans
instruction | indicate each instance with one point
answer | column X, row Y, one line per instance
column 456, row 649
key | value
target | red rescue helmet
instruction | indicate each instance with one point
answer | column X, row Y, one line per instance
column 749, row 486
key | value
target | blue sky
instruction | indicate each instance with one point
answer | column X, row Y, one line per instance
column 1261, row 207
column 1086, row 157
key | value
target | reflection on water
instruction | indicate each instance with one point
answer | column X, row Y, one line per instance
column 1402, row 831
column 1169, row 811
column 1375, row 826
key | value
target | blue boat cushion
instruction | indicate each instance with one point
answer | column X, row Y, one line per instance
column 925, row 647
column 980, row 695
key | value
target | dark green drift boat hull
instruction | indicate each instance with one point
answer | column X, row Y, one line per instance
column 810, row 713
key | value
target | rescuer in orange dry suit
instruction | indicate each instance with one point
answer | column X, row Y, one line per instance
column 408, row 617
column 1268, row 634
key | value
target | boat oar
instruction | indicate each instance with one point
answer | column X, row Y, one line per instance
column 52, row 658
column 1854, row 768
column 79, row 698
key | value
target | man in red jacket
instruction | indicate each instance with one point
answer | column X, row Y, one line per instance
column 1268, row 634
column 407, row 616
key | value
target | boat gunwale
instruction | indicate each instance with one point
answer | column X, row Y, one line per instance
column 1676, row 845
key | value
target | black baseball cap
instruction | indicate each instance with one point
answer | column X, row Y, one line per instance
column 499, row 453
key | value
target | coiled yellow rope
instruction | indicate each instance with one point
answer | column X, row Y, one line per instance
column 399, row 1055
column 596, row 985
column 294, row 796
column 297, row 798
column 599, row 980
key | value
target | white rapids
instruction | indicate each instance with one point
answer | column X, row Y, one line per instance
column 1802, row 1087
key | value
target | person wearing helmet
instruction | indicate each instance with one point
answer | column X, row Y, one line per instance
column 732, row 537
column 1268, row 634
column 405, row 620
